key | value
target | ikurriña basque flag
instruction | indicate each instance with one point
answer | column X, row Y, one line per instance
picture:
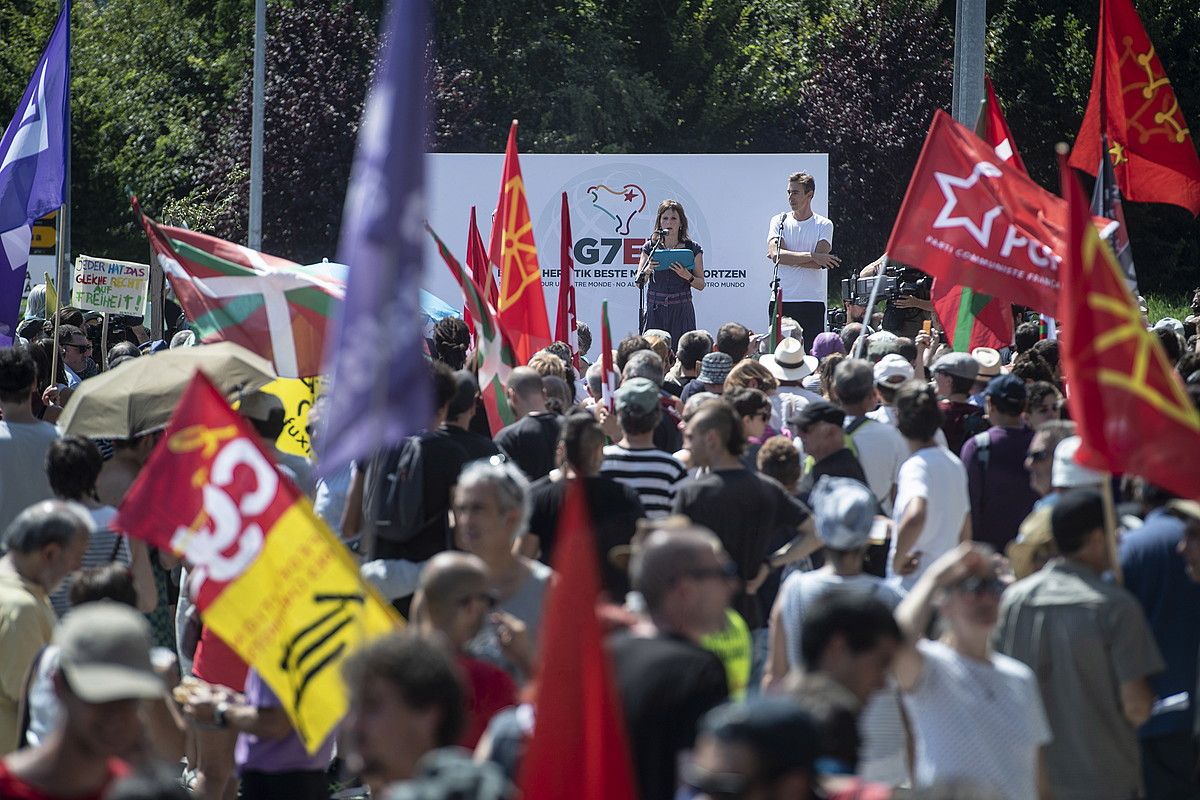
column 33, row 166
column 380, row 389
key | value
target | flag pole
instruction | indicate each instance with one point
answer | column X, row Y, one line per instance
column 58, row 273
column 63, row 232
column 861, row 341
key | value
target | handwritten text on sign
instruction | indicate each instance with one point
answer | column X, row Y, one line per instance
column 118, row 287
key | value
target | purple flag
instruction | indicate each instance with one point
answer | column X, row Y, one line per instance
column 380, row 391
column 33, row 166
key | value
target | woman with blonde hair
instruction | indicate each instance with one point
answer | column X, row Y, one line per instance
column 669, row 294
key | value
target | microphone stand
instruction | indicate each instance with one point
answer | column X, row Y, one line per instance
column 775, row 298
column 643, row 279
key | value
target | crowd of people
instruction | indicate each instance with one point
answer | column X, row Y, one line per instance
column 858, row 565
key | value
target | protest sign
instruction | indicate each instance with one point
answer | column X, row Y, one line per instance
column 297, row 396
column 116, row 287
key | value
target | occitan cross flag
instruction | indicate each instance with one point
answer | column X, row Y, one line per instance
column 1133, row 413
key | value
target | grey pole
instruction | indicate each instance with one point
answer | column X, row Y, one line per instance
column 256, row 125
column 970, row 25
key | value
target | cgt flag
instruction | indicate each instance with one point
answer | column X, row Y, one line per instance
column 578, row 750
column 1133, row 413
column 1133, row 106
column 522, row 304
column 971, row 219
column 271, row 580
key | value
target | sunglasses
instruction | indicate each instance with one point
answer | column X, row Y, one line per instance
column 83, row 348
column 976, row 585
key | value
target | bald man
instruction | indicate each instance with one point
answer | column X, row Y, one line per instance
column 451, row 605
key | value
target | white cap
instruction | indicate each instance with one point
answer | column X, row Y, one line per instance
column 1169, row 323
column 893, row 366
column 1066, row 473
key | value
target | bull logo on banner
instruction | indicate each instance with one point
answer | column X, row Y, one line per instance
column 621, row 204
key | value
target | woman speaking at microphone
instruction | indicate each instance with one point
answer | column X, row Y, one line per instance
column 669, row 295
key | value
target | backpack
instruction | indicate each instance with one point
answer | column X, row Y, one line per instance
column 394, row 493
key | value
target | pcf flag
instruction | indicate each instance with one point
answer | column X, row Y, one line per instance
column 578, row 750
column 1132, row 410
column 971, row 219
column 522, row 304
column 33, row 165
column 269, row 577
column 1133, row 105
column 380, row 388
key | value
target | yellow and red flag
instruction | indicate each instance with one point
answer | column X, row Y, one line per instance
column 1133, row 412
column 268, row 576
column 1133, row 105
column 522, row 304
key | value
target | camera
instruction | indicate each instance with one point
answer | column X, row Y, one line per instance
column 836, row 319
column 897, row 282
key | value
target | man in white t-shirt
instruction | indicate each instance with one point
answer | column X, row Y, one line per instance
column 977, row 715
column 880, row 447
column 933, row 508
column 803, row 243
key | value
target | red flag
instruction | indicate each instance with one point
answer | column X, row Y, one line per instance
column 477, row 262
column 971, row 219
column 579, row 749
column 1133, row 104
column 1132, row 410
column 522, row 305
column 606, row 360
column 565, row 322
column 995, row 129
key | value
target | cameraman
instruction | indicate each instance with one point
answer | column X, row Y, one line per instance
column 909, row 305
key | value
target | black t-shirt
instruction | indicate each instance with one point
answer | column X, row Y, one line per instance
column 666, row 685
column 531, row 442
column 614, row 510
column 667, row 435
column 842, row 464
column 746, row 510
column 476, row 446
column 442, row 459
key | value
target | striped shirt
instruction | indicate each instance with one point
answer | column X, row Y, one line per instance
column 104, row 547
column 654, row 474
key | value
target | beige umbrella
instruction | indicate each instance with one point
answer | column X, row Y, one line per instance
column 139, row 395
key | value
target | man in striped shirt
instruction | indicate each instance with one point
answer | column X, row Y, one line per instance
column 654, row 474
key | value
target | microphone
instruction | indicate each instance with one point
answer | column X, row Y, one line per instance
column 661, row 232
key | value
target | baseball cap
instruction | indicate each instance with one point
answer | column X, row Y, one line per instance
column 1007, row 388
column 260, row 406
column 715, row 367
column 819, row 411
column 638, row 394
column 827, row 342
column 989, row 361
column 1066, row 474
column 880, row 344
column 960, row 365
column 844, row 510
column 104, row 652
column 893, row 370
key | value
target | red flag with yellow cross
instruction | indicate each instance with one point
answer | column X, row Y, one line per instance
column 268, row 576
column 1132, row 410
column 522, row 306
column 1133, row 104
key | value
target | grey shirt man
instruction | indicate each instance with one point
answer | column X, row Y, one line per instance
column 1083, row 638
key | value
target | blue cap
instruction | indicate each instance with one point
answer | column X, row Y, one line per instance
column 1007, row 388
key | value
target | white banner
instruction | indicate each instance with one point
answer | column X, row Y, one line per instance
column 118, row 287
column 729, row 201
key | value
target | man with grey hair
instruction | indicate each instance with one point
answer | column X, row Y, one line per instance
column 43, row 545
column 644, row 364
column 880, row 447
column 532, row 440
column 666, row 679
column 491, row 509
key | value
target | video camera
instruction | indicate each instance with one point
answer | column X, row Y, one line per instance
column 897, row 282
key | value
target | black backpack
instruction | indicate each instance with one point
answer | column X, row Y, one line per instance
column 394, row 493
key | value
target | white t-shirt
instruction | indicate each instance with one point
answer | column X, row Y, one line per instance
column 975, row 722
column 937, row 475
column 881, row 451
column 802, row 283
column 887, row 414
column 801, row 589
